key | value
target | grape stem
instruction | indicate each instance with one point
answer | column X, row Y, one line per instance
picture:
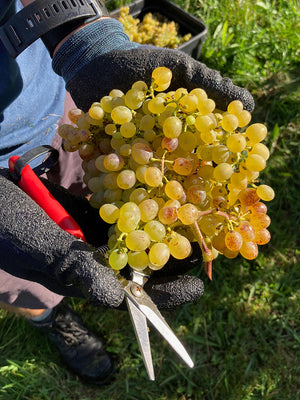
column 204, row 248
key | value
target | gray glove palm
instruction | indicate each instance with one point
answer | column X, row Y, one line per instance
column 33, row 247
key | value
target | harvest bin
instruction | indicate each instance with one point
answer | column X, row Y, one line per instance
column 187, row 23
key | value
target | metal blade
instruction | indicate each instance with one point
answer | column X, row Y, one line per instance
column 163, row 328
column 143, row 302
column 139, row 322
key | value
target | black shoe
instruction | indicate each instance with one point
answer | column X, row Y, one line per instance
column 80, row 349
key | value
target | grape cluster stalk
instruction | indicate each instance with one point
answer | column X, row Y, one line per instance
column 166, row 168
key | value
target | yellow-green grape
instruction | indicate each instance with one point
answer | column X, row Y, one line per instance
column 229, row 122
column 147, row 122
column 128, row 222
column 138, row 195
column 140, row 85
column 199, row 93
column 206, row 172
column 261, row 150
column 187, row 141
column 106, row 103
column 249, row 250
column 236, row 143
column 109, row 213
column 74, row 114
column 121, row 114
column 138, row 260
column 172, row 203
column 110, row 129
column 99, row 163
column 112, row 241
column 141, row 153
column 204, row 123
column 235, row 107
column 65, row 130
column 174, row 190
column 262, row 237
column 153, row 176
column 96, row 111
column 259, row 221
column 208, row 137
column 82, row 122
column 233, row 240
column 113, row 162
column 248, row 197
column 167, row 215
column 150, row 136
column 183, row 166
column 117, row 101
column 255, row 162
column 125, row 150
column 148, row 209
column 205, row 152
column 95, row 184
column 126, row 179
column 157, row 105
column 206, row 106
column 112, row 195
column 188, row 214
column 110, row 180
column 96, row 199
column 140, row 172
column 256, row 132
column 137, row 240
column 210, row 224
column 265, row 192
column 118, row 259
column 116, row 142
column 128, row 129
column 159, row 255
column 246, row 230
column 179, row 246
column 134, row 98
column 239, row 180
column 196, row 194
column 86, row 151
column 220, row 154
column 161, row 76
column 244, row 118
column 169, row 144
column 131, row 208
column 116, row 93
column 155, row 230
column 188, row 103
column 172, row 127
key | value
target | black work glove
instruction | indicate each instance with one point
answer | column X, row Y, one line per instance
column 100, row 57
column 33, row 247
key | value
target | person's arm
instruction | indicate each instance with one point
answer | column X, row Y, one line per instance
column 10, row 80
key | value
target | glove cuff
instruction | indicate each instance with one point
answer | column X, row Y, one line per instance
column 93, row 40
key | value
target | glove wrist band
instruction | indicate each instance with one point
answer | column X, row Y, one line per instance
column 49, row 20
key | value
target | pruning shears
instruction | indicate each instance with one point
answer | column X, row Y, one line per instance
column 140, row 306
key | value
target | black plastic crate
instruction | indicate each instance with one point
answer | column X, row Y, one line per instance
column 187, row 23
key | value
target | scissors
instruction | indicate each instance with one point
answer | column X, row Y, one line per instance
column 141, row 308
column 140, row 305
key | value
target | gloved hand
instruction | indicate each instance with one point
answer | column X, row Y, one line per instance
column 33, row 247
column 100, row 57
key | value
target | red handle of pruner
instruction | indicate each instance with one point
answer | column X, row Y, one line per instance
column 33, row 186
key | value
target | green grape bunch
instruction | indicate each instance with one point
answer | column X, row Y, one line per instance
column 166, row 168
column 152, row 29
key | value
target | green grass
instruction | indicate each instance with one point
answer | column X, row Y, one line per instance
column 244, row 334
